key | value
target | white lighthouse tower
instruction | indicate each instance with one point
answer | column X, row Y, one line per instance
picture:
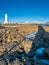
column 6, row 19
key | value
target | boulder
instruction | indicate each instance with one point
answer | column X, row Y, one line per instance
column 41, row 39
column 46, row 52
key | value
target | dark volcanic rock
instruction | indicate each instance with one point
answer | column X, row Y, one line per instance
column 38, row 62
column 40, row 53
column 41, row 38
column 46, row 52
column 31, row 54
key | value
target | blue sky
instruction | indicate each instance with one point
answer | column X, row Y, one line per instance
column 25, row 10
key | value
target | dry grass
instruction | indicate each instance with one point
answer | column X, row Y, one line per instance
column 23, row 29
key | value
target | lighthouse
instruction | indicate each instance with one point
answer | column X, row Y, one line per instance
column 6, row 19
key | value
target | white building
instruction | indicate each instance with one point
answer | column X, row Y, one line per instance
column 6, row 19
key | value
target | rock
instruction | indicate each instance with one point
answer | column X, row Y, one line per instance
column 41, row 56
column 46, row 52
column 27, row 46
column 41, row 39
column 3, row 61
column 38, row 62
column 2, row 49
column 27, row 63
column 39, row 53
column 39, row 50
column 17, row 62
column 31, row 54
